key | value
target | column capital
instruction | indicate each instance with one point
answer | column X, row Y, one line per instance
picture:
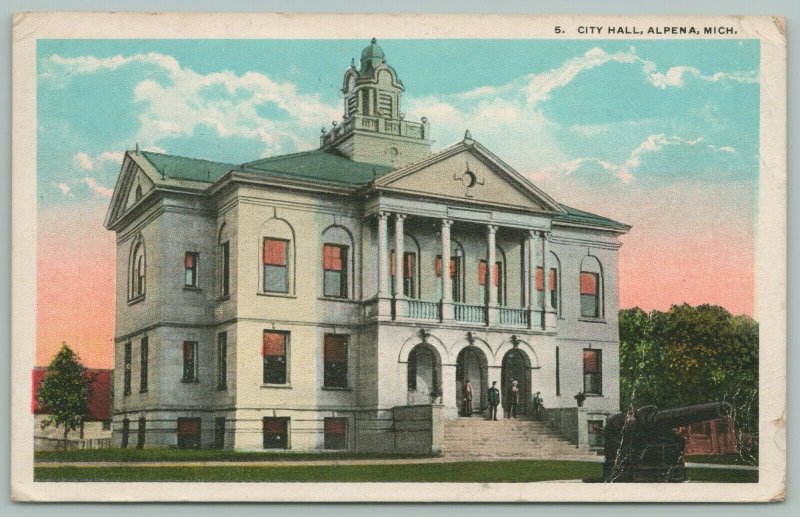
column 492, row 228
column 383, row 214
column 545, row 234
column 447, row 222
column 532, row 234
column 399, row 216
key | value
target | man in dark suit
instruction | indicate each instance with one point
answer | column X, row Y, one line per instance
column 494, row 400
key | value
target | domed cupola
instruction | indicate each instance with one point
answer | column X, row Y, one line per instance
column 371, row 57
column 374, row 128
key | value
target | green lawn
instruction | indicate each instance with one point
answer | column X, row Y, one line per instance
column 175, row 455
column 475, row 472
column 723, row 459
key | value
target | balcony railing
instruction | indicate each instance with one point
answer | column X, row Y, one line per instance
column 512, row 317
column 405, row 128
column 470, row 313
column 420, row 310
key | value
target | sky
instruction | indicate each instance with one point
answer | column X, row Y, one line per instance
column 661, row 135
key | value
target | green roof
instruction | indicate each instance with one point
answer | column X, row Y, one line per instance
column 179, row 167
column 573, row 215
column 318, row 165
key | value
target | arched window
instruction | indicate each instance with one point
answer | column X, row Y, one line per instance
column 137, row 271
column 277, row 257
column 591, row 288
column 553, row 289
column 337, row 262
column 411, row 257
column 424, row 375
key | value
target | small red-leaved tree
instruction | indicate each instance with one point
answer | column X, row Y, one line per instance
column 64, row 392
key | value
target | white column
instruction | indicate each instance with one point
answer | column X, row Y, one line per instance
column 399, row 273
column 491, row 230
column 383, row 272
column 447, row 289
column 530, row 276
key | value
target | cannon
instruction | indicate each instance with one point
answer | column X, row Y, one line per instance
column 643, row 446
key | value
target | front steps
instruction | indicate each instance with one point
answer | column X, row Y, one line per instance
column 478, row 438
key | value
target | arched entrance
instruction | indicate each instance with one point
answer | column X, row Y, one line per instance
column 472, row 365
column 424, row 375
column 516, row 367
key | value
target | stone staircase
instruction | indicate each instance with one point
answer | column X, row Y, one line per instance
column 478, row 438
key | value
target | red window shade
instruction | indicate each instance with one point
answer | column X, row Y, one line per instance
column 496, row 274
column 274, row 425
column 552, row 279
column 482, row 270
column 188, row 426
column 391, row 263
column 438, row 265
column 410, row 265
column 274, row 252
column 188, row 349
column 335, row 348
column 274, row 344
column 539, row 279
column 589, row 283
column 591, row 359
column 332, row 258
column 188, row 261
column 334, row 425
column 452, row 268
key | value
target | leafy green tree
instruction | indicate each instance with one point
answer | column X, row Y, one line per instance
column 64, row 392
column 690, row 355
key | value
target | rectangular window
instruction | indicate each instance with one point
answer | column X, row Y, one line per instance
column 219, row 432
column 334, row 270
column 276, row 271
column 190, row 269
column 595, row 433
column 409, row 270
column 483, row 272
column 126, row 431
column 592, row 372
column 144, row 358
column 126, row 381
column 455, row 275
column 222, row 360
column 335, row 433
column 190, row 361
column 225, row 259
column 540, row 287
column 276, row 433
column 188, row 433
column 558, row 373
column 273, row 351
column 140, row 433
column 590, row 306
column 335, row 361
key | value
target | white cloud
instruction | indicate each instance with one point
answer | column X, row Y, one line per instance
column 65, row 189
column 97, row 188
column 674, row 77
column 111, row 156
column 84, row 161
column 227, row 102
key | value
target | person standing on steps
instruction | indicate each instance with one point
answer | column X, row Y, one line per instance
column 538, row 405
column 493, row 397
column 466, row 397
column 513, row 400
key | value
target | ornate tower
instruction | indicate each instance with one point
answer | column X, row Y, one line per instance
column 373, row 129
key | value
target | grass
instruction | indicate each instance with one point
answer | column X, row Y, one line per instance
column 178, row 455
column 723, row 459
column 473, row 472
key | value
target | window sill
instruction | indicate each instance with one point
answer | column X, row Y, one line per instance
column 134, row 301
column 331, row 388
column 594, row 395
column 593, row 320
column 276, row 295
column 278, row 386
column 336, row 299
column 191, row 288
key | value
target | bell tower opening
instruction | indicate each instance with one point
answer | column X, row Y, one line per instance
column 373, row 128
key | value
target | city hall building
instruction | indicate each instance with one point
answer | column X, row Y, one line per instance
column 339, row 298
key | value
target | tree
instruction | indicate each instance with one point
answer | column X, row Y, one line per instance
column 64, row 392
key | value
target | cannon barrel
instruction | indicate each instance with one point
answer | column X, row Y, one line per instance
column 688, row 415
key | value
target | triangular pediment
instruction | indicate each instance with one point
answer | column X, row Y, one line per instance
column 467, row 171
column 133, row 185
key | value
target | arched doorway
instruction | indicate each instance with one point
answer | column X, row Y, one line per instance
column 516, row 367
column 424, row 375
column 471, row 365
